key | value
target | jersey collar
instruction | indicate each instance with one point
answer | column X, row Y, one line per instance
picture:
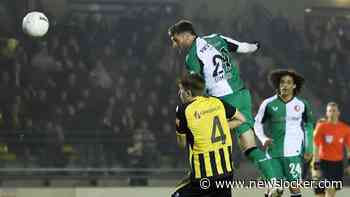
column 198, row 98
column 285, row 102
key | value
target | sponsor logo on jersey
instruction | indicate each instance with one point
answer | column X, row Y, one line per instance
column 294, row 118
column 213, row 109
column 197, row 115
column 274, row 108
column 289, row 118
column 297, row 108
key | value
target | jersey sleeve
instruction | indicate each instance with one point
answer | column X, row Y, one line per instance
column 181, row 122
column 309, row 123
column 348, row 138
column 239, row 47
column 193, row 64
column 318, row 134
column 229, row 110
column 259, row 122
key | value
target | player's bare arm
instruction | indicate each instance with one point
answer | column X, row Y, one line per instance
column 236, row 120
column 180, row 136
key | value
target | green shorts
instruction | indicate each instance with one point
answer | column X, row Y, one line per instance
column 243, row 102
column 287, row 168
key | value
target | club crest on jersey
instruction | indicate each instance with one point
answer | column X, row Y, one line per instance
column 197, row 115
column 329, row 139
column 297, row 108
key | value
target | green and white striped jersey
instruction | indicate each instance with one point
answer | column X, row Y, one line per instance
column 290, row 125
column 210, row 57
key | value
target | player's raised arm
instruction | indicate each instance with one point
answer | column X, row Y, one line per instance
column 240, row 47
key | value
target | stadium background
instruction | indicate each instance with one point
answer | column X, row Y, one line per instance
column 92, row 103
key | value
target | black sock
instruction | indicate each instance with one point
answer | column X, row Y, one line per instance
column 295, row 195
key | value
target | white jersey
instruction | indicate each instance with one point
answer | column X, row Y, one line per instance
column 210, row 57
column 287, row 123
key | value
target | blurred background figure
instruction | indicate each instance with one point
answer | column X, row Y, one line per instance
column 331, row 137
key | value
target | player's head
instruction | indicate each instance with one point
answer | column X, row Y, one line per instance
column 190, row 86
column 332, row 111
column 182, row 34
column 286, row 82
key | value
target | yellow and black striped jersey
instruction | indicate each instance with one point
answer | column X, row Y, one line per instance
column 204, row 122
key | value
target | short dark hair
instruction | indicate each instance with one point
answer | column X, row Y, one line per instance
column 193, row 82
column 181, row 27
column 276, row 75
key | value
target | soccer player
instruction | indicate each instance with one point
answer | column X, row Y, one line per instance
column 210, row 57
column 330, row 137
column 288, row 118
column 205, row 124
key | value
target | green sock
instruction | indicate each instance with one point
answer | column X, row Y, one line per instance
column 259, row 159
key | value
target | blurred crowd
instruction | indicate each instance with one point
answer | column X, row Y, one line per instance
column 100, row 92
column 93, row 92
column 327, row 59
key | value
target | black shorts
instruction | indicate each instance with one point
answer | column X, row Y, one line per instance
column 319, row 190
column 191, row 188
column 332, row 171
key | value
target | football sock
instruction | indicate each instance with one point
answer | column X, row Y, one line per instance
column 256, row 156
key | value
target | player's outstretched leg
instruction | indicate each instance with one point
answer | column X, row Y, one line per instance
column 254, row 154
column 243, row 101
